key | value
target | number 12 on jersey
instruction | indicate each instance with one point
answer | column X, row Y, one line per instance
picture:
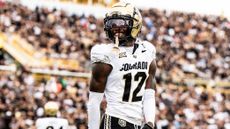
column 128, row 83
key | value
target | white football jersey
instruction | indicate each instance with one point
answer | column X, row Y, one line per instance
column 126, row 83
column 51, row 123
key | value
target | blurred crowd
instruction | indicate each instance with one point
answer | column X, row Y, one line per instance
column 186, row 43
column 178, row 107
column 188, row 46
column 22, row 99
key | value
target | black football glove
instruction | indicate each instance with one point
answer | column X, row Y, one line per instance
column 147, row 126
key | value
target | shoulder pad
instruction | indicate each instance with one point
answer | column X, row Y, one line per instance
column 150, row 47
column 101, row 53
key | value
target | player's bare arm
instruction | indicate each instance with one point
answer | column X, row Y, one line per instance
column 150, row 82
column 100, row 72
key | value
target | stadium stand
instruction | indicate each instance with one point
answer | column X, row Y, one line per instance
column 193, row 59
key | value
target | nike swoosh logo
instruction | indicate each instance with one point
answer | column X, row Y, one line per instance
column 143, row 51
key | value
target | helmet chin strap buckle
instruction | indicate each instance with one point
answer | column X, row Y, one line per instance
column 116, row 47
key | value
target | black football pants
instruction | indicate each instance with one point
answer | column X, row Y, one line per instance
column 109, row 122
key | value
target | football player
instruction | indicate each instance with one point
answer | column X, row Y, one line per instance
column 124, row 72
column 50, row 121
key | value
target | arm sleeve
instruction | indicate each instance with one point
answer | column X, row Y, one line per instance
column 149, row 105
column 93, row 105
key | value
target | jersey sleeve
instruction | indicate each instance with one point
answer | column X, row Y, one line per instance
column 151, row 48
column 101, row 53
